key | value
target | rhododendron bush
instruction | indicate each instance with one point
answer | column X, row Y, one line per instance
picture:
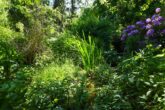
column 151, row 30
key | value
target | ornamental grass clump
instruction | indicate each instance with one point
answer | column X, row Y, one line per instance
column 152, row 28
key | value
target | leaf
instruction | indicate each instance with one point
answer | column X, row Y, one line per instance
column 148, row 92
column 103, row 1
column 147, row 83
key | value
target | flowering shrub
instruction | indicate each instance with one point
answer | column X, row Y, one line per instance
column 152, row 29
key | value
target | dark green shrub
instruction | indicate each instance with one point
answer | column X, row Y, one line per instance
column 107, row 90
column 91, row 24
column 109, row 98
column 142, row 79
column 101, row 75
column 126, row 11
column 137, row 85
column 12, row 91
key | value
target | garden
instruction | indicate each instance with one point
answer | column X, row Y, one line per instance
column 82, row 55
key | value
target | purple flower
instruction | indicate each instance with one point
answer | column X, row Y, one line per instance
column 148, row 26
column 163, row 31
column 150, row 32
column 156, row 22
column 143, row 27
column 130, row 34
column 158, row 10
column 133, row 32
column 123, row 37
column 148, row 20
column 154, row 16
column 140, row 23
column 125, row 31
column 160, row 18
column 131, row 27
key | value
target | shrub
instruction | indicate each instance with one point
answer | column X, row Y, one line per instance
column 142, row 79
column 143, row 32
column 12, row 91
column 64, row 47
column 62, row 86
column 109, row 98
column 91, row 24
column 39, row 23
column 102, row 75
column 9, row 57
column 137, row 84
column 126, row 10
column 53, row 86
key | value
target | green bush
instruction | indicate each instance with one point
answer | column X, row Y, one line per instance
column 137, row 84
column 9, row 57
column 39, row 23
column 12, row 91
column 109, row 97
column 64, row 47
column 102, row 75
column 55, row 86
column 91, row 24
column 125, row 11
column 107, row 90
column 142, row 79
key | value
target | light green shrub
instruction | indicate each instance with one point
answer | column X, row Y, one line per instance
column 8, row 53
column 64, row 47
column 53, row 86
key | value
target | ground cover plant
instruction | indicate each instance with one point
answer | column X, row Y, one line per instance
column 78, row 55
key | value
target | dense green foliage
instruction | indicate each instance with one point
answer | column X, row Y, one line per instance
column 54, row 59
